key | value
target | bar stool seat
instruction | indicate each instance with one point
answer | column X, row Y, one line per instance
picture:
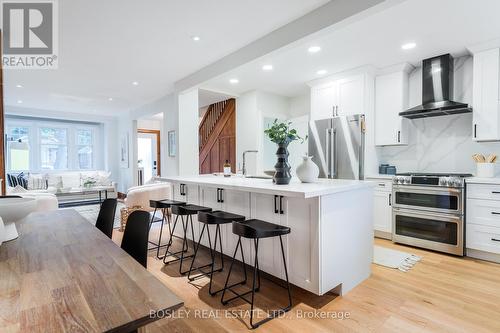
column 166, row 203
column 259, row 229
column 189, row 209
column 256, row 229
column 162, row 205
column 219, row 217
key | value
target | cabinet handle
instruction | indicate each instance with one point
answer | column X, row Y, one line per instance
column 221, row 195
column 275, row 205
column 181, row 189
column 381, row 184
column 475, row 130
column 495, row 240
column 495, row 213
column 218, row 199
column 399, row 136
column 390, row 199
column 495, row 192
column 281, row 205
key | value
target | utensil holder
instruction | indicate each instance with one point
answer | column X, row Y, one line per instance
column 485, row 170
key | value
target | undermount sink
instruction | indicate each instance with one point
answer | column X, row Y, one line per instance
column 259, row 177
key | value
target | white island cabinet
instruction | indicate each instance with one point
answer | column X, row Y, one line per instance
column 331, row 241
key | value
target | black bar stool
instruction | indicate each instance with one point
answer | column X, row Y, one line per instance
column 188, row 211
column 164, row 205
column 257, row 229
column 212, row 218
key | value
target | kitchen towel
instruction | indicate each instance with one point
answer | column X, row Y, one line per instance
column 394, row 259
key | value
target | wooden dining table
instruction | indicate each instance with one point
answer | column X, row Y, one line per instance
column 63, row 275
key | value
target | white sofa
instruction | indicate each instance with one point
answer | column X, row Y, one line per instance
column 140, row 195
column 60, row 181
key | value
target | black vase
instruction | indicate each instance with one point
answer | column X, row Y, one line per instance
column 282, row 175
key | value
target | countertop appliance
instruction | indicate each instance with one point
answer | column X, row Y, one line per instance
column 437, row 90
column 338, row 146
column 428, row 211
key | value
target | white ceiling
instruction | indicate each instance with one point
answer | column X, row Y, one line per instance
column 106, row 45
column 437, row 27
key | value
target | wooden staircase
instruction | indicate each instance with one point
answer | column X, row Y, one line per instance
column 217, row 137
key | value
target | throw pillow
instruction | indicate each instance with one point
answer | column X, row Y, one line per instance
column 21, row 180
column 12, row 180
column 18, row 189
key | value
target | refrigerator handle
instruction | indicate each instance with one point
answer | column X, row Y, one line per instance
column 334, row 162
column 328, row 134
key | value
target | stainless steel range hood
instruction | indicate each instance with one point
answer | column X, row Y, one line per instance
column 437, row 90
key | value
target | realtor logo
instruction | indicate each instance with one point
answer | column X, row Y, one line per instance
column 29, row 34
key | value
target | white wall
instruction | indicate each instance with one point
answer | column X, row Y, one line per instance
column 440, row 144
column 252, row 108
column 149, row 124
column 187, row 144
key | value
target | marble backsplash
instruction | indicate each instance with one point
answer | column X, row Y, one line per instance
column 440, row 144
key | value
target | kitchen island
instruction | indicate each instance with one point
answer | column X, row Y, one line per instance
column 331, row 241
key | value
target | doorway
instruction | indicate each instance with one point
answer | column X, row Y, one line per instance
column 148, row 154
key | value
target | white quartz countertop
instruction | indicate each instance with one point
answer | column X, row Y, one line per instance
column 294, row 189
column 478, row 180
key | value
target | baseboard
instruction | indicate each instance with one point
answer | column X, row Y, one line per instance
column 383, row 234
column 488, row 256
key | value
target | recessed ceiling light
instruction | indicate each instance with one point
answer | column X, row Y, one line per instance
column 267, row 68
column 322, row 72
column 135, row 83
column 19, row 102
column 234, row 81
column 110, row 99
column 408, row 46
column 19, row 86
column 314, row 49
column 195, row 38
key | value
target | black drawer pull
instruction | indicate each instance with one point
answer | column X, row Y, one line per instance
column 495, row 213
column 281, row 205
column 381, row 184
column 495, row 192
column 221, row 197
column 495, row 240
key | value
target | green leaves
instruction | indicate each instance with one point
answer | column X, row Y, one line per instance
column 281, row 133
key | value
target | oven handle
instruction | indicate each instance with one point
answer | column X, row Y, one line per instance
column 426, row 190
column 445, row 217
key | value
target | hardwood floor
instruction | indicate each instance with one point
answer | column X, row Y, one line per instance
column 440, row 294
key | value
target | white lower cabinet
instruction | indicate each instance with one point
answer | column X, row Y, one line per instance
column 186, row 193
column 483, row 221
column 382, row 209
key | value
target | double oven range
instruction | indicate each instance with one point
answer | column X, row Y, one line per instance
column 428, row 211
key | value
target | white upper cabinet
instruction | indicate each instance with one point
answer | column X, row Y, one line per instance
column 346, row 94
column 323, row 99
column 486, row 96
column 391, row 98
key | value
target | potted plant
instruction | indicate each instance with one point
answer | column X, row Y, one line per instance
column 281, row 134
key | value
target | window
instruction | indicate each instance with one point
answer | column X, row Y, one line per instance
column 18, row 151
column 53, row 148
column 43, row 145
column 84, row 144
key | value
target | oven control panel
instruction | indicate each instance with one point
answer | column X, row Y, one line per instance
column 444, row 181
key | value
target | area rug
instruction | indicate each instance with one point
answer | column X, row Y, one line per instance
column 90, row 212
column 394, row 259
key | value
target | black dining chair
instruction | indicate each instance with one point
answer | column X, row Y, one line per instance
column 135, row 236
column 106, row 217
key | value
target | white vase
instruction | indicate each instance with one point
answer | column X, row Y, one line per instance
column 308, row 171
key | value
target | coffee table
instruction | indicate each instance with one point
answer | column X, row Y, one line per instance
column 100, row 190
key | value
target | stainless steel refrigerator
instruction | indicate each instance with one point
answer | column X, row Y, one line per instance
column 338, row 146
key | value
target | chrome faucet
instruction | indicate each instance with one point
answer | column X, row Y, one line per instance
column 244, row 168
